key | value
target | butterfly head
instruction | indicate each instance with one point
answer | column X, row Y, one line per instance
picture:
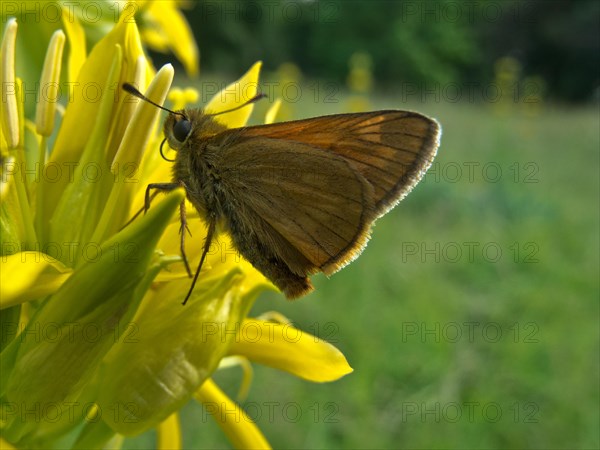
column 182, row 129
column 178, row 128
column 189, row 127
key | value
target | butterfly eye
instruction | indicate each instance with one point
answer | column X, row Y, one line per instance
column 181, row 129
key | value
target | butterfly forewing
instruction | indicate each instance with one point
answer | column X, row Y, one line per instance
column 391, row 149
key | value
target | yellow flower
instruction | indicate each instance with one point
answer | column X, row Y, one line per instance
column 163, row 27
column 167, row 29
column 95, row 342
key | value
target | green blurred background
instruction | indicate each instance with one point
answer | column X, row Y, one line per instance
column 472, row 319
column 432, row 42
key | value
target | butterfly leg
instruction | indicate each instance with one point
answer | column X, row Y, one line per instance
column 164, row 187
column 207, row 242
column 158, row 187
column 182, row 229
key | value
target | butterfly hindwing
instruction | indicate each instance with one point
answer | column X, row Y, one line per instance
column 317, row 203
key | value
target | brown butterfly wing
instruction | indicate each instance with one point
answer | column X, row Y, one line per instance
column 308, row 208
column 391, row 149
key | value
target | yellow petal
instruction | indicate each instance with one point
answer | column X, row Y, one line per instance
column 76, row 37
column 138, row 131
column 80, row 116
column 49, row 85
column 10, row 114
column 239, row 428
column 84, row 193
column 29, row 275
column 155, row 40
column 17, row 227
column 272, row 112
column 169, row 433
column 130, row 152
column 171, row 24
column 127, row 108
column 234, row 95
column 287, row 348
column 7, row 163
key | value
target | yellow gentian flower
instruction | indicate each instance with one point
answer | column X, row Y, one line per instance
column 96, row 344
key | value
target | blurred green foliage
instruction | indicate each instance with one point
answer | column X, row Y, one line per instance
column 429, row 41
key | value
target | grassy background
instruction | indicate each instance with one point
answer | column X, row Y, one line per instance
column 453, row 348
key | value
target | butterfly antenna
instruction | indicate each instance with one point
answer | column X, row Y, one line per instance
column 254, row 99
column 131, row 89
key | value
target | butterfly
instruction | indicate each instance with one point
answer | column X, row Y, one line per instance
column 298, row 197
